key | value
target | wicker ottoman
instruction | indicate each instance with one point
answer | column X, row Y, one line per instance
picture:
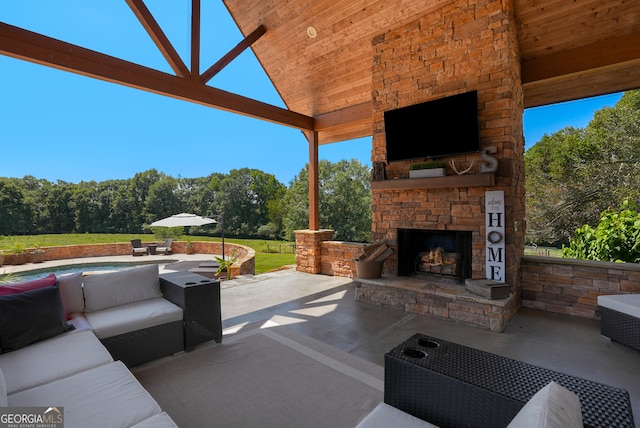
column 620, row 318
column 451, row 385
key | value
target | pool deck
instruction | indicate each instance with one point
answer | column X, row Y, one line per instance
column 160, row 259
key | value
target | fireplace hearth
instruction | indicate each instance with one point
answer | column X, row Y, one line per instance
column 441, row 254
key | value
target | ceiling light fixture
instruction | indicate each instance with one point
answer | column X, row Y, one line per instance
column 311, row 32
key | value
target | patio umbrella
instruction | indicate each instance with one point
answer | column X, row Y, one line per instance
column 183, row 219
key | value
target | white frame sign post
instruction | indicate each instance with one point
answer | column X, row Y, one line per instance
column 495, row 248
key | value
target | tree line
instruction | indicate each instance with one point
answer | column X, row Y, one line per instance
column 254, row 203
column 575, row 174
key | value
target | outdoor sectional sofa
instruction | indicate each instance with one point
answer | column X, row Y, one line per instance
column 68, row 342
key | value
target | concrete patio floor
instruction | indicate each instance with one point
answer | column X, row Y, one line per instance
column 325, row 309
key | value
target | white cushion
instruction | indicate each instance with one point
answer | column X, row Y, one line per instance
column 111, row 289
column 161, row 420
column 108, row 395
column 52, row 359
column 386, row 416
column 134, row 316
column 626, row 303
column 71, row 292
column 551, row 407
column 3, row 391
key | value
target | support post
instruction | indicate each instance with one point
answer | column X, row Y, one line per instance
column 314, row 200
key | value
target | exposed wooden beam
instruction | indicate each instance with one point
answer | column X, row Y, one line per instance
column 314, row 187
column 195, row 38
column 233, row 54
column 159, row 38
column 344, row 116
column 589, row 83
column 596, row 55
column 22, row 44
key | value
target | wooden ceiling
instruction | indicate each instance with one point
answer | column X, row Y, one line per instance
column 570, row 49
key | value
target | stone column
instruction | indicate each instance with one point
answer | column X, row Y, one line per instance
column 308, row 249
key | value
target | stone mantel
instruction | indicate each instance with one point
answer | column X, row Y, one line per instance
column 465, row 180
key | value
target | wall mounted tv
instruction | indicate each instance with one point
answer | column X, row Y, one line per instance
column 441, row 127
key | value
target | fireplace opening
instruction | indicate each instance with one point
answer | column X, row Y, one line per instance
column 442, row 254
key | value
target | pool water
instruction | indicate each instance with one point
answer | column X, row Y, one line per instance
column 68, row 269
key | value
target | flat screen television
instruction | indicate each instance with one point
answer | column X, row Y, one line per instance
column 432, row 129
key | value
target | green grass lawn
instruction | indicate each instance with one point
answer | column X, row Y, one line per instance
column 543, row 251
column 266, row 259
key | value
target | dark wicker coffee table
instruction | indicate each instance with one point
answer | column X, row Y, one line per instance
column 451, row 385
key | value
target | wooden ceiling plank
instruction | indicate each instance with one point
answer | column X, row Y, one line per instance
column 233, row 54
column 350, row 131
column 596, row 55
column 344, row 116
column 159, row 38
column 26, row 45
column 539, row 11
column 589, row 12
column 550, row 25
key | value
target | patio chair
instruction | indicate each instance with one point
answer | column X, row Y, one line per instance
column 137, row 249
column 166, row 248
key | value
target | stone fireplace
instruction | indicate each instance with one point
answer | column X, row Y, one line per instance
column 435, row 254
column 454, row 49
column 438, row 226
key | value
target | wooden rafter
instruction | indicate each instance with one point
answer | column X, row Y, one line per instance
column 233, row 54
column 23, row 44
column 195, row 38
column 159, row 38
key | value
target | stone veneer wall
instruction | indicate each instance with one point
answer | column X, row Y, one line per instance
column 572, row 287
column 308, row 249
column 459, row 47
column 316, row 253
column 338, row 258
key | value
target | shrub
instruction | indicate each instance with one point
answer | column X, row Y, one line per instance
column 615, row 239
column 168, row 232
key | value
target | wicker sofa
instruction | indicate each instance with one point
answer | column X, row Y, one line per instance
column 70, row 344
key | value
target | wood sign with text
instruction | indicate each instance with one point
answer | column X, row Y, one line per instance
column 494, row 208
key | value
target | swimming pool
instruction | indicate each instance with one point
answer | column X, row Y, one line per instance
column 67, row 269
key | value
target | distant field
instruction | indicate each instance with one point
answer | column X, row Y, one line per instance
column 268, row 256
column 542, row 251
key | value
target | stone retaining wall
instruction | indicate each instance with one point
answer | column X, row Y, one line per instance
column 245, row 264
column 572, row 287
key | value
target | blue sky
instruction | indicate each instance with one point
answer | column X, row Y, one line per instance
column 61, row 126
